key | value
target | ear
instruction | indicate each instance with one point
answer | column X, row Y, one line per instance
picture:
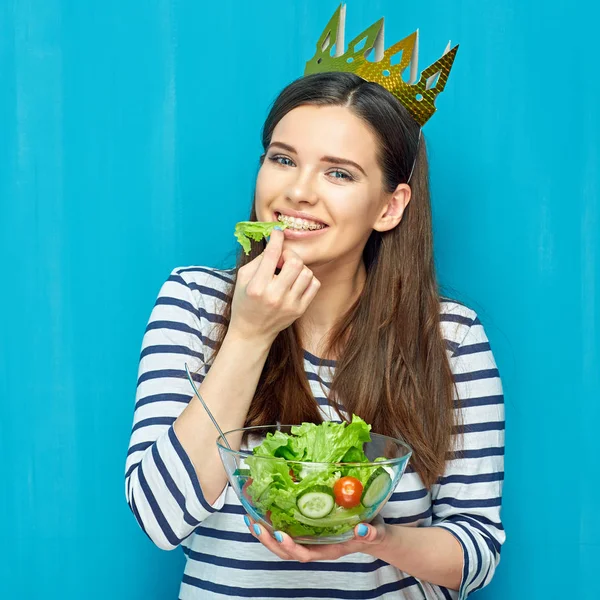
column 393, row 209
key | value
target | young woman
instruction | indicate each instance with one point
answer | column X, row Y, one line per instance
column 339, row 314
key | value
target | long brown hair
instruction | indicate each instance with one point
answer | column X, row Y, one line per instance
column 391, row 365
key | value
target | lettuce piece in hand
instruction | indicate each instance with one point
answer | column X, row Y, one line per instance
column 254, row 230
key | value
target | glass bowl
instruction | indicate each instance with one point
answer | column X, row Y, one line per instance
column 314, row 503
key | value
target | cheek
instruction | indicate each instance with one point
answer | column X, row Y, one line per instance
column 354, row 211
column 260, row 184
column 260, row 196
column 266, row 186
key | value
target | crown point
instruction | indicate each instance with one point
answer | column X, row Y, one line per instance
column 418, row 96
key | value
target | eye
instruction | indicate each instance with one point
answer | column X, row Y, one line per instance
column 344, row 175
column 277, row 158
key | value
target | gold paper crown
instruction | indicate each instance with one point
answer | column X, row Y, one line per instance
column 418, row 98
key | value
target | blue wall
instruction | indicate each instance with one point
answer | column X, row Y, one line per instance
column 129, row 138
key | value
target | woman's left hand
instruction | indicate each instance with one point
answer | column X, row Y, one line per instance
column 373, row 534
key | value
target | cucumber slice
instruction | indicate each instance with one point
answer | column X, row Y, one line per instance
column 316, row 502
column 377, row 488
column 242, row 472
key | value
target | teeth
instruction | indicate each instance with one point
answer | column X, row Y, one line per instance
column 299, row 224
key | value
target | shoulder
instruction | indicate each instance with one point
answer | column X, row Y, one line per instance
column 204, row 292
column 205, row 281
column 456, row 322
column 472, row 362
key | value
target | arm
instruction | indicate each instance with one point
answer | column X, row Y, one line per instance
column 174, row 476
column 228, row 398
column 171, row 436
column 467, row 499
column 427, row 553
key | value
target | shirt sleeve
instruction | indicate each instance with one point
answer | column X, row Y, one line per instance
column 467, row 499
column 161, row 485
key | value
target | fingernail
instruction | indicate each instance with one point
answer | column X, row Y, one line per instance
column 256, row 528
column 278, row 537
column 363, row 530
column 247, row 520
column 278, row 228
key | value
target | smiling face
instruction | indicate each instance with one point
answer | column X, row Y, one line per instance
column 322, row 162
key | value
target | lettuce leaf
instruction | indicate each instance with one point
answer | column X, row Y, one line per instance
column 254, row 230
column 330, row 441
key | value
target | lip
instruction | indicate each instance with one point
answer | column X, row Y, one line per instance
column 299, row 215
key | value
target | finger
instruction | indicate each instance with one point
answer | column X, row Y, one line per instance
column 366, row 533
column 292, row 267
column 250, row 268
column 270, row 257
column 296, row 551
column 310, row 293
column 265, row 538
column 302, row 553
column 286, row 255
column 302, row 283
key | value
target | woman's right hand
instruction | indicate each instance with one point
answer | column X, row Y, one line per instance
column 264, row 303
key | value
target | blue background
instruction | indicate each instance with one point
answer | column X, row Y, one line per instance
column 129, row 140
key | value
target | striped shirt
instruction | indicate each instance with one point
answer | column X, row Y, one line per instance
column 223, row 559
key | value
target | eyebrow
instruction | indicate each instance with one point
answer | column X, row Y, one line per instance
column 330, row 159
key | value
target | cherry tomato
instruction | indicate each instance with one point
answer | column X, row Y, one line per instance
column 293, row 475
column 347, row 492
column 245, row 491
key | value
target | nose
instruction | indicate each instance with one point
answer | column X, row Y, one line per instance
column 302, row 188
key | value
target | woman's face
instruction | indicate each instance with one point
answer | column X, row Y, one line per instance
column 322, row 162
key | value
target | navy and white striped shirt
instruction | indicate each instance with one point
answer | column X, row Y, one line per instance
column 223, row 559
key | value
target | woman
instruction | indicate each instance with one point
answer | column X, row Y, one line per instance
column 344, row 317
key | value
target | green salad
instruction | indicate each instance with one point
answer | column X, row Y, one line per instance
column 315, row 499
column 254, row 230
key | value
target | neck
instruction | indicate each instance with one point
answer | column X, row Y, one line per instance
column 341, row 285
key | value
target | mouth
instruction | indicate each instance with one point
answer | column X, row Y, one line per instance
column 296, row 224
